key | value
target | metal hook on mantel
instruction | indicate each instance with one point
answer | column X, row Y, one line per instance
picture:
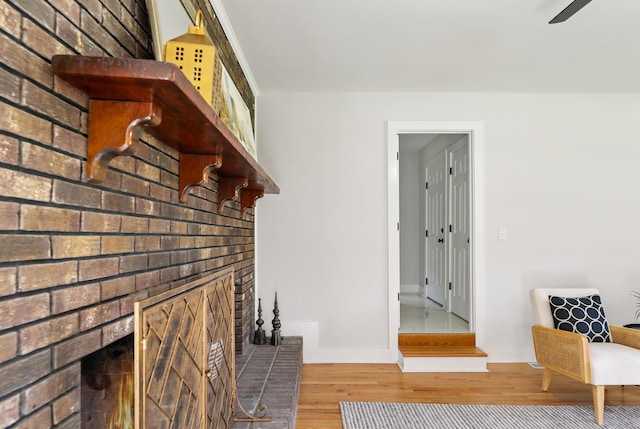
column 261, row 411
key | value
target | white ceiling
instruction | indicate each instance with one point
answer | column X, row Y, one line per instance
column 438, row 45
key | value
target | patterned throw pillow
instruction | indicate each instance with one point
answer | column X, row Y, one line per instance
column 583, row 315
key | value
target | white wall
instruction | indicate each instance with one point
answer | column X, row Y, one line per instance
column 561, row 173
column 410, row 236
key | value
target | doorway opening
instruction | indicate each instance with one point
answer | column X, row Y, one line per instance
column 435, row 258
column 434, row 181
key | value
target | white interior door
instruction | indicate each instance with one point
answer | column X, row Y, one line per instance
column 436, row 227
column 460, row 269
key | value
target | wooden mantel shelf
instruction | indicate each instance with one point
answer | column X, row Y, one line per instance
column 130, row 95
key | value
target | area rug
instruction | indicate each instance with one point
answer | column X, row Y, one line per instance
column 388, row 415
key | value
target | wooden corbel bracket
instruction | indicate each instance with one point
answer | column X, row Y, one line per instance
column 114, row 130
column 229, row 189
column 195, row 171
column 248, row 199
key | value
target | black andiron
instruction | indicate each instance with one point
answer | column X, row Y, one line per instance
column 260, row 337
column 276, row 338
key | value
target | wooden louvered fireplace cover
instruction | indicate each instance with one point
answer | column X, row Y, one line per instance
column 184, row 356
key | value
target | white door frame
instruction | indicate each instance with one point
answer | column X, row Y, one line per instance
column 475, row 130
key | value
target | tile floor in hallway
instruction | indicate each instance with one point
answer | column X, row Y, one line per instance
column 421, row 315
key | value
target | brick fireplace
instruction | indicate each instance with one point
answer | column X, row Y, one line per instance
column 76, row 256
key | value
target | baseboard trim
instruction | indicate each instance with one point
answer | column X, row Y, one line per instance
column 410, row 288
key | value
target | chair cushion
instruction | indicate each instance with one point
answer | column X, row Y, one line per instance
column 614, row 364
column 583, row 315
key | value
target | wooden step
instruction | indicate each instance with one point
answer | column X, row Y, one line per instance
column 441, row 351
column 437, row 340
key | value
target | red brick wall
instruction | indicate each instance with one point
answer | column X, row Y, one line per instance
column 75, row 256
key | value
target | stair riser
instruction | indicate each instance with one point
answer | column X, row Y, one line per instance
column 442, row 364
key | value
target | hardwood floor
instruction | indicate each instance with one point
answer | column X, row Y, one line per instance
column 323, row 386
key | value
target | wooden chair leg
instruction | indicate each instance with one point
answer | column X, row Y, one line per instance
column 598, row 403
column 546, row 379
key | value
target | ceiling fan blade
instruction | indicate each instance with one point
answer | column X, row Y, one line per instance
column 568, row 11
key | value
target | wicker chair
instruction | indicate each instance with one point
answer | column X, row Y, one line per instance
column 571, row 354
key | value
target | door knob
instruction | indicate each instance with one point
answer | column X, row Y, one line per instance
column 440, row 240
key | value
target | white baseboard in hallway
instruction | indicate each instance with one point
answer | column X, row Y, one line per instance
column 411, row 289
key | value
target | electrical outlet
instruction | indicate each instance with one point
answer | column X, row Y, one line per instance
column 502, row 234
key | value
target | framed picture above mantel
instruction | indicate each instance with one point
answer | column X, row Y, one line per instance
column 233, row 98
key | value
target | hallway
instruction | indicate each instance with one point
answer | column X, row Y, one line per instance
column 421, row 315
